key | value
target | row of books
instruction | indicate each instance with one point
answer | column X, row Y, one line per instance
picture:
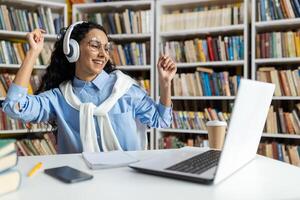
column 219, row 48
column 268, row 10
column 10, row 178
column 287, row 82
column 205, row 84
column 286, row 153
column 7, row 123
column 14, row 19
column 202, row 17
column 127, row 22
column 31, row 147
column 6, row 79
column 15, row 52
column 171, row 141
column 278, row 44
column 131, row 53
column 197, row 120
column 279, row 121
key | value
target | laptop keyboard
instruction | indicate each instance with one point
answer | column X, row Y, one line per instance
column 198, row 163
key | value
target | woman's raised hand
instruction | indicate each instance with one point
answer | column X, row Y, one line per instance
column 166, row 69
column 36, row 40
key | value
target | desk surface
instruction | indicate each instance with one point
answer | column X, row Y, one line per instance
column 263, row 178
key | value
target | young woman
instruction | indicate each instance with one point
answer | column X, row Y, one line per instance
column 95, row 107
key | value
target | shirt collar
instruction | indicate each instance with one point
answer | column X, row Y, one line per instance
column 100, row 81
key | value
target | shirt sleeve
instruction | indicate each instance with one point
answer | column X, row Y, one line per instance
column 148, row 112
column 32, row 108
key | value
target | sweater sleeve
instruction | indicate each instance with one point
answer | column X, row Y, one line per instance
column 149, row 112
column 29, row 108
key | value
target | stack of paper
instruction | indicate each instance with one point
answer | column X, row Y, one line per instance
column 108, row 160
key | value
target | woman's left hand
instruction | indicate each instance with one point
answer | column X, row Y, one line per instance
column 166, row 69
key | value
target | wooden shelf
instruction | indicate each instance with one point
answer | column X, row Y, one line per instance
column 134, row 67
column 203, row 97
column 35, row 3
column 170, row 130
column 130, row 36
column 204, row 132
column 22, row 131
column 211, row 64
column 112, row 6
column 238, row 29
column 286, row 98
column 17, row 66
column 274, row 24
column 262, row 61
column 281, row 135
column 4, row 34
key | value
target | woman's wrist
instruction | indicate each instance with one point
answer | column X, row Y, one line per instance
column 33, row 53
column 165, row 92
column 165, row 83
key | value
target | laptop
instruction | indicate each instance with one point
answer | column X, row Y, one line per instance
column 240, row 146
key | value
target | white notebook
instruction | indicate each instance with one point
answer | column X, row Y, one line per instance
column 108, row 159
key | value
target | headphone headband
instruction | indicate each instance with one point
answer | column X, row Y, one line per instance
column 66, row 46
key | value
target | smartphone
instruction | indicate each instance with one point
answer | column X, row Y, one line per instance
column 68, row 174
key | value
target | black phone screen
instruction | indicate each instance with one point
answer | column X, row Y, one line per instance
column 68, row 174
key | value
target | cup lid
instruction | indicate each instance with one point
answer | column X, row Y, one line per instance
column 216, row 123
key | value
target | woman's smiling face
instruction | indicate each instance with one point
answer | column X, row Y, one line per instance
column 94, row 54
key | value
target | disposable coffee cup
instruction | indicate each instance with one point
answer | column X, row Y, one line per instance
column 216, row 133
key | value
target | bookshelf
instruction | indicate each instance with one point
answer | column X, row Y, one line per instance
column 130, row 25
column 267, row 22
column 18, row 17
column 276, row 27
column 186, row 17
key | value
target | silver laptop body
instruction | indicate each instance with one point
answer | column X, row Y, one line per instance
column 246, row 125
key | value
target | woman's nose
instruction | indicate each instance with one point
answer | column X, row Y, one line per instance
column 102, row 52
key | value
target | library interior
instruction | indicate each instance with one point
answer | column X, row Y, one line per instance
column 94, row 91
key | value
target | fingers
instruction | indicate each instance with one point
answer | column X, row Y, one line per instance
column 160, row 60
column 37, row 35
column 169, row 63
column 166, row 63
column 172, row 67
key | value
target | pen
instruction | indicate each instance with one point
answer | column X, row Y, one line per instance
column 34, row 169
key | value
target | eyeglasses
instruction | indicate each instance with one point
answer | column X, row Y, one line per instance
column 96, row 46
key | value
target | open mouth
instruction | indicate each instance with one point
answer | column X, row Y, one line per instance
column 99, row 62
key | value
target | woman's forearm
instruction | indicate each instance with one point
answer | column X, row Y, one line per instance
column 166, row 72
column 165, row 93
column 23, row 75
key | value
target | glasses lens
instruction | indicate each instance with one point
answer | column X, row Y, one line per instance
column 108, row 47
column 96, row 46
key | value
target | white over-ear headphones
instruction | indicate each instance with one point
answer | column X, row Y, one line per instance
column 71, row 46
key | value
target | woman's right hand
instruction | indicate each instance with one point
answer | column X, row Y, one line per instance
column 36, row 40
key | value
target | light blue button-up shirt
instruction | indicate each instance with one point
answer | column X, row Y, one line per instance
column 49, row 105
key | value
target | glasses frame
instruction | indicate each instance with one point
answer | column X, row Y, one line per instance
column 103, row 47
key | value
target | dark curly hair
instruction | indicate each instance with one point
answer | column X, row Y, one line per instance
column 59, row 69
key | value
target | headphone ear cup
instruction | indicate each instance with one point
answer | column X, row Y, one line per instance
column 74, row 51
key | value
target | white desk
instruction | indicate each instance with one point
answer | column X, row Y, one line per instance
column 263, row 178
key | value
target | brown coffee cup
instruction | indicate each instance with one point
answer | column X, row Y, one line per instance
column 216, row 133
